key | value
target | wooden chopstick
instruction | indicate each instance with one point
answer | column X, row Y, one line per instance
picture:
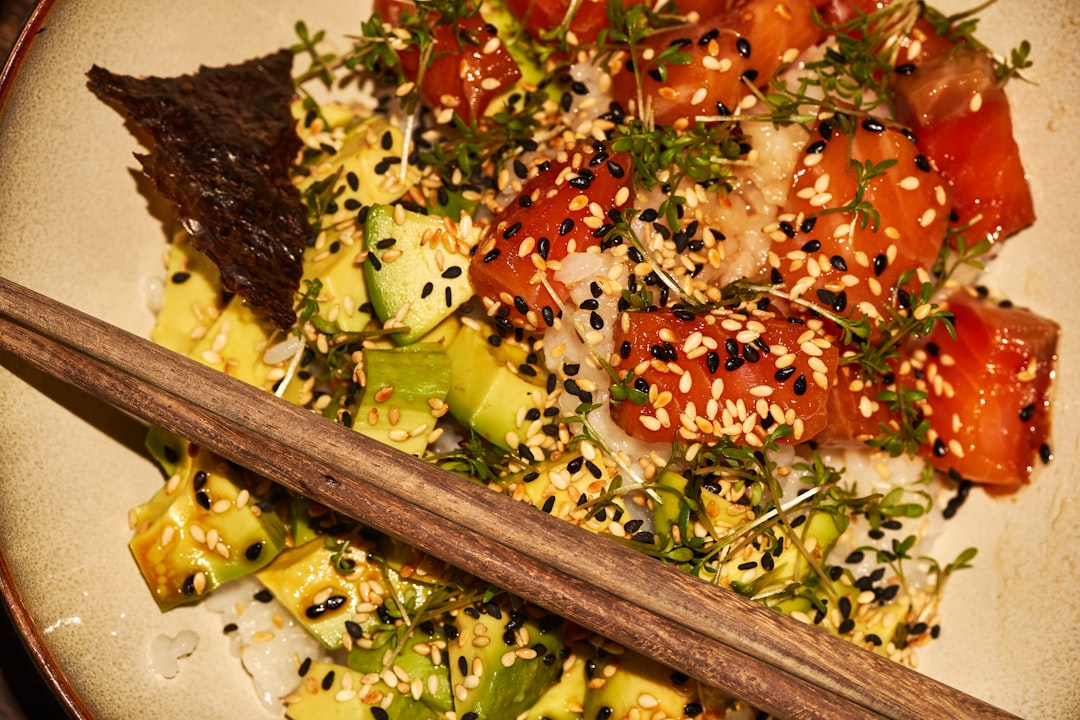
column 773, row 662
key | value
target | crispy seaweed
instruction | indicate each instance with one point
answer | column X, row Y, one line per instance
column 221, row 144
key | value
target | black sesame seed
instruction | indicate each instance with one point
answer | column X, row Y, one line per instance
column 880, row 263
column 596, row 322
column 742, row 45
column 428, row 288
column 712, row 361
column 838, row 262
column 845, row 606
column 873, row 125
column 511, row 231
column 922, row 162
column 784, row 373
column 800, row 385
column 188, row 586
column 520, row 305
column 1027, row 412
column 548, row 314
column 904, row 69
column 549, row 505
column 846, row 626
column 827, row 297
column 808, row 224
column 581, row 182
column 254, row 550
column 815, row 147
column 491, row 255
column 767, row 563
column 378, row 713
column 1045, row 454
column 709, row 36
column 855, row 557
column 615, row 169
column 940, row 448
column 733, row 363
column 566, row 226
column 811, row 246
column 454, row 271
column 750, row 76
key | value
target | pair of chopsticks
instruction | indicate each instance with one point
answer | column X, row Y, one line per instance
column 757, row 654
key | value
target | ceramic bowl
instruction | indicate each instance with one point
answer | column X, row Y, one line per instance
column 76, row 224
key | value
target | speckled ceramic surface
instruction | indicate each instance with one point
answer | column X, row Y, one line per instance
column 74, row 225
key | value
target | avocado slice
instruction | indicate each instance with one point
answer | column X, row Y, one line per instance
column 416, row 269
column 229, row 344
column 191, row 300
column 485, row 394
column 560, row 488
column 884, row 622
column 336, row 586
column 321, row 597
column 501, row 659
column 404, row 387
column 343, row 295
column 366, row 167
column 203, row 528
column 335, row 259
column 419, row 664
column 565, row 700
column 628, row 685
column 334, row 692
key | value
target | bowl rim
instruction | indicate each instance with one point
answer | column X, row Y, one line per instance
column 31, row 635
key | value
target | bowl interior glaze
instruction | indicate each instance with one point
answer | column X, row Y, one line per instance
column 76, row 224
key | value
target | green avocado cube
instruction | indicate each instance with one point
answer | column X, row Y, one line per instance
column 335, row 692
column 202, row 529
column 486, row 395
column 629, row 685
column 404, row 391
column 502, row 660
column 416, row 269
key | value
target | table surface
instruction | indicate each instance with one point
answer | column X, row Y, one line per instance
column 23, row 692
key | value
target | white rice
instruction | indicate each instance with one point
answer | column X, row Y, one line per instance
column 269, row 642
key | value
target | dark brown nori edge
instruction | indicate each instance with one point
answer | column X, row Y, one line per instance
column 222, row 141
